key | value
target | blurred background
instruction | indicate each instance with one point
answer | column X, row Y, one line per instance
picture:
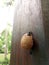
column 7, row 8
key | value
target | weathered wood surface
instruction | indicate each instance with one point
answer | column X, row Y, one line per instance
column 45, row 10
column 28, row 17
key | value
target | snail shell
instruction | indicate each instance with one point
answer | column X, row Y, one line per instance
column 27, row 41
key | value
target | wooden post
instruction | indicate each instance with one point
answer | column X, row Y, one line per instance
column 28, row 17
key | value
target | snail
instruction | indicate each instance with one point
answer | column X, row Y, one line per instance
column 27, row 40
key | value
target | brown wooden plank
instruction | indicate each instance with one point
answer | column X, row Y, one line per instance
column 28, row 17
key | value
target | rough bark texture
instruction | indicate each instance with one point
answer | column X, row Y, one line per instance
column 28, row 17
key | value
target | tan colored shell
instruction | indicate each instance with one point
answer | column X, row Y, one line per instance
column 26, row 41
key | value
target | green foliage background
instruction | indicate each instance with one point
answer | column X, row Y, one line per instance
column 2, row 38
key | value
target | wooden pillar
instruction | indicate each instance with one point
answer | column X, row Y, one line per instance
column 28, row 17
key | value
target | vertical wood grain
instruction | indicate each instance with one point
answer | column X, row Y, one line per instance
column 28, row 17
